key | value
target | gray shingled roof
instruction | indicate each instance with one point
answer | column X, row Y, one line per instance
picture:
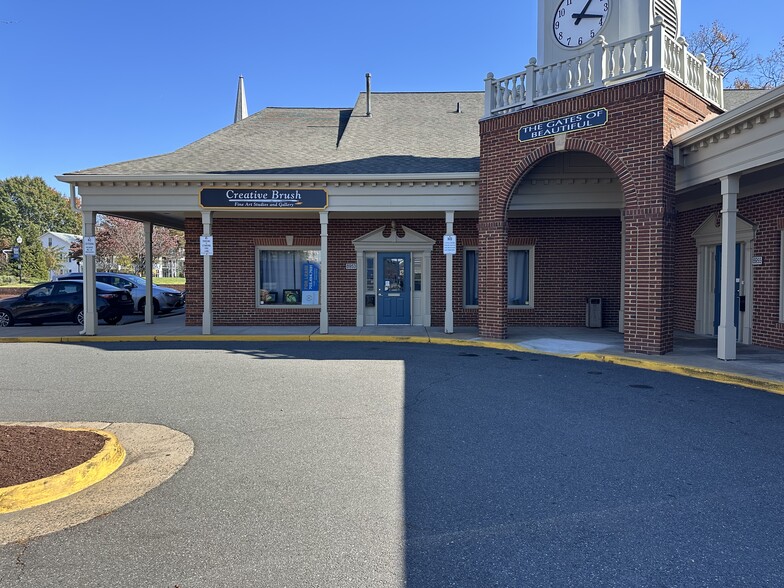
column 735, row 98
column 408, row 133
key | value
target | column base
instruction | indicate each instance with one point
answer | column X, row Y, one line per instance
column 727, row 348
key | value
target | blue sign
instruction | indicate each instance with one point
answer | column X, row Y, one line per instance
column 310, row 276
column 266, row 198
column 565, row 124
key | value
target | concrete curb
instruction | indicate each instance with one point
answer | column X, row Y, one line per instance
column 771, row 386
column 723, row 377
column 154, row 454
column 76, row 479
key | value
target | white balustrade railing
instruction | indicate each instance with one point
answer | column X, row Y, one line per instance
column 627, row 58
column 602, row 65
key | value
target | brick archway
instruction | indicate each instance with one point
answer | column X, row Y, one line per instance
column 494, row 225
column 535, row 157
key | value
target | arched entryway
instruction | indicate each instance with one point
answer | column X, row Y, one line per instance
column 564, row 243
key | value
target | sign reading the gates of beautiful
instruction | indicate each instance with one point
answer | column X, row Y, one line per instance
column 566, row 124
column 267, row 198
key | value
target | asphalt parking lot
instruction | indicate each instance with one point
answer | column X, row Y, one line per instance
column 362, row 464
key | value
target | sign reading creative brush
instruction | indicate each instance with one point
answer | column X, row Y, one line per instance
column 266, row 198
column 566, row 124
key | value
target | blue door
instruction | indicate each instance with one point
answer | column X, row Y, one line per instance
column 717, row 291
column 394, row 289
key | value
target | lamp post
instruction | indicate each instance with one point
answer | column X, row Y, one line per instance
column 19, row 243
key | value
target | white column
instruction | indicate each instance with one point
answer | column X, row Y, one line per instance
column 361, row 288
column 149, row 307
column 89, row 303
column 324, row 314
column 729, row 217
column 427, row 286
column 206, row 317
column 449, row 319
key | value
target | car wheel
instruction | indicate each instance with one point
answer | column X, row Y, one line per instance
column 113, row 320
column 79, row 317
column 156, row 308
column 6, row 320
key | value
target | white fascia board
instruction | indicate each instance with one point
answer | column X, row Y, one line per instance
column 744, row 152
column 415, row 193
column 267, row 178
column 731, row 118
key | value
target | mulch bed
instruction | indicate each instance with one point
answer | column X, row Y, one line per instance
column 29, row 453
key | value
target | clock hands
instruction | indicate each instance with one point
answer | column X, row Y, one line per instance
column 581, row 15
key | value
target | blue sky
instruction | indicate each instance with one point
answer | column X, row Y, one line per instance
column 89, row 82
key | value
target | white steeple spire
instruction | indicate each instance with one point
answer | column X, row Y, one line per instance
column 241, row 109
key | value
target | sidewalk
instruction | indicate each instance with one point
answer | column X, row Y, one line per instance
column 696, row 355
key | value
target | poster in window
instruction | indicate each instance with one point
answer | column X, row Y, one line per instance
column 292, row 296
column 310, row 283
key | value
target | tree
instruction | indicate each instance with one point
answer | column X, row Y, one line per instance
column 54, row 257
column 75, row 251
column 725, row 52
column 29, row 208
column 34, row 266
column 120, row 244
column 30, row 202
column 771, row 68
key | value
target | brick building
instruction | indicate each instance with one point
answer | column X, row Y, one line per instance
column 614, row 170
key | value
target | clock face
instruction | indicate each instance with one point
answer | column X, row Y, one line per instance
column 577, row 22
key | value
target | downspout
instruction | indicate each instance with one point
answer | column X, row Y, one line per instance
column 79, row 210
column 73, row 198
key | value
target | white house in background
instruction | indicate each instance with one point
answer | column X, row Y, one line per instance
column 62, row 241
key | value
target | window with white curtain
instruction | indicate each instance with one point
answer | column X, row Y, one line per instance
column 470, row 277
column 283, row 274
column 520, row 277
column 781, row 280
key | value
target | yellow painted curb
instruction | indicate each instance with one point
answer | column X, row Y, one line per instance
column 98, row 467
column 766, row 385
column 689, row 371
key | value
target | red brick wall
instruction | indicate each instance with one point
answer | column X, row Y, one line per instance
column 583, row 252
column 635, row 145
column 234, row 271
column 586, row 249
column 766, row 212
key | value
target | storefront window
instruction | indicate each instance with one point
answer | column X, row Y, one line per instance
column 470, row 281
column 288, row 276
column 520, row 277
column 417, row 274
column 781, row 280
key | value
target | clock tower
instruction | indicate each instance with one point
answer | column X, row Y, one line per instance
column 567, row 27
